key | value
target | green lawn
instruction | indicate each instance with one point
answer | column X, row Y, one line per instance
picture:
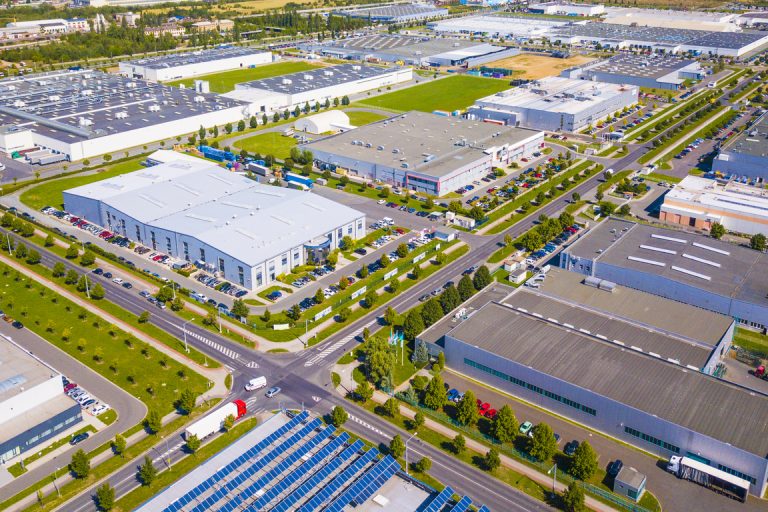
column 49, row 192
column 226, row 80
column 752, row 341
column 270, row 143
column 452, row 93
column 359, row 118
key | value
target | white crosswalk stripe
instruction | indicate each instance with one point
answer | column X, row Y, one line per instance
column 367, row 425
column 329, row 350
column 216, row 346
column 252, row 364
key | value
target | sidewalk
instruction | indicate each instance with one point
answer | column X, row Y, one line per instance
column 348, row 384
column 215, row 375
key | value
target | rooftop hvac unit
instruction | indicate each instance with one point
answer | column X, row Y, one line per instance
column 307, row 76
column 121, row 115
column 592, row 281
column 357, row 68
column 19, row 103
column 328, row 72
column 198, row 99
column 86, row 92
column 84, row 121
column 287, row 81
column 131, row 85
column 154, row 108
column 456, row 45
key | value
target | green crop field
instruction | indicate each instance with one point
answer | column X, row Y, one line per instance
column 452, row 93
column 49, row 192
column 360, row 118
column 226, row 80
column 270, row 143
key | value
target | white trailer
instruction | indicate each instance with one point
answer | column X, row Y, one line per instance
column 707, row 476
column 214, row 421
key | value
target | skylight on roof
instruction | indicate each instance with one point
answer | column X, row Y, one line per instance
column 710, row 248
column 691, row 273
column 657, row 249
column 650, row 262
column 701, row 260
column 669, row 238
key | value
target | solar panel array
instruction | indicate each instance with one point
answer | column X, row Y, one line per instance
column 462, row 505
column 303, row 464
column 440, row 501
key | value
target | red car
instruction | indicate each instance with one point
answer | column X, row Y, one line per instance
column 490, row 414
column 484, row 408
column 69, row 386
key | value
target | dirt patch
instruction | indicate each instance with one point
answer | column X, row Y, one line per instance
column 538, row 66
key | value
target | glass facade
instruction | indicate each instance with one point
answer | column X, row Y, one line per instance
column 653, row 440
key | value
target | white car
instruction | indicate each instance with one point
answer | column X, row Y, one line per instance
column 117, row 280
column 381, row 201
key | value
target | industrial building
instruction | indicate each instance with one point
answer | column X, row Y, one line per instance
column 566, row 9
column 669, row 18
column 521, row 28
column 653, row 71
column 183, row 65
column 85, row 113
column 700, row 202
column 411, row 50
column 555, row 104
column 398, row 13
column 295, row 462
column 747, row 153
column 33, row 407
column 278, row 93
column 690, row 268
column 424, row 152
column 599, row 366
column 669, row 40
column 196, row 211
column 324, row 122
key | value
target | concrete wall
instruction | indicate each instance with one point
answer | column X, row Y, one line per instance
column 611, row 417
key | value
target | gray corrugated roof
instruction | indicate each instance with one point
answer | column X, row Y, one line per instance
column 312, row 79
column 196, row 57
column 682, row 396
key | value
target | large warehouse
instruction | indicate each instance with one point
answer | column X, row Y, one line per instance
column 33, row 407
column 398, row 13
column 497, row 26
column 566, row 8
column 86, row 113
column 425, row 152
column 555, row 104
column 298, row 463
column 605, row 370
column 653, row 71
column 726, row 278
column 278, row 93
column 197, row 211
column 183, row 65
column 747, row 153
column 669, row 18
column 411, row 50
column 700, row 202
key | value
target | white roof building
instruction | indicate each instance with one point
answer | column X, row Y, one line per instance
column 324, row 122
column 198, row 211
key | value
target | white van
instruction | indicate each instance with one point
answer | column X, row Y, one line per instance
column 257, row 383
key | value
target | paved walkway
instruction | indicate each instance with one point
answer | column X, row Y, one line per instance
column 348, row 384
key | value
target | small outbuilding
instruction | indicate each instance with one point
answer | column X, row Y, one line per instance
column 629, row 483
column 324, row 122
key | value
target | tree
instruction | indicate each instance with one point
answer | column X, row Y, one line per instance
column 717, row 231
column 87, row 259
column 423, row 465
column 482, row 278
column 465, row 288
column 347, row 242
column 72, row 252
column 384, row 261
column 364, row 391
column 573, row 498
column 584, row 462
column 458, row 444
column 540, row 197
column 71, row 277
column 119, row 445
column 97, row 292
column 105, row 496
column 402, row 251
column 33, row 258
column 153, row 422
column 344, row 314
column 450, row 299
column 58, row 269
column 413, row 325
column 397, row 446
column 390, row 316
column 193, row 443
column 370, row 299
column 466, row 409
column 532, row 240
column 431, row 312
column 391, row 407
column 319, row 297
column 240, row 308
column 338, row 416
column 147, row 472
column 187, row 401
column 21, row 251
column 543, row 444
column 607, row 207
column 566, row 220
column 48, row 241
column 418, row 420
column 294, row 313
column 575, row 197
column 420, row 356
column 492, row 459
column 229, row 422
column 144, row 317
column 758, row 242
column 599, row 194
column 176, row 304
column 363, row 272
column 504, row 425
column 80, row 465
column 434, row 396
column 83, row 284
column 378, row 359
column 624, row 210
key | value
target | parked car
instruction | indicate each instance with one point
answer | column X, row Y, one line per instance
column 79, row 438
column 526, row 427
column 614, row 468
column 570, row 448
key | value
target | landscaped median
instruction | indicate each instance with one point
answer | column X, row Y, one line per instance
column 713, row 124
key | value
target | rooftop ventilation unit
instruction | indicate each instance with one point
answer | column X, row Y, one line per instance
column 307, row 76
column 121, row 115
column 357, row 68
column 287, row 81
column 154, row 108
column 328, row 72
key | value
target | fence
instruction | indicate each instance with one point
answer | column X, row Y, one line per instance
column 522, row 456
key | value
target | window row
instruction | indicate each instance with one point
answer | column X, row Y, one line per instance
column 653, row 440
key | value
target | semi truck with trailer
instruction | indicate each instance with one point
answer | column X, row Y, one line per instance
column 214, row 421
column 709, row 477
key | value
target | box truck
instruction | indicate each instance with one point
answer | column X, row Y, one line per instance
column 214, row 421
column 254, row 384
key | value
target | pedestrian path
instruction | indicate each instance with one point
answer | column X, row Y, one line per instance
column 367, row 425
column 329, row 350
column 216, row 346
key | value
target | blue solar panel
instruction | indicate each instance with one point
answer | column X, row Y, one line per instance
column 229, row 468
column 299, row 473
column 376, row 483
column 368, row 479
column 260, row 464
column 462, row 505
column 339, row 481
column 284, row 465
column 484, row 509
column 318, row 477
column 439, row 502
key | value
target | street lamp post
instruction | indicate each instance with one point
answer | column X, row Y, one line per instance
column 184, row 328
column 54, row 482
column 167, row 453
column 406, row 451
column 553, row 470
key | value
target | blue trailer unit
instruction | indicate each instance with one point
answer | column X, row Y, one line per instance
column 295, row 178
column 216, row 154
